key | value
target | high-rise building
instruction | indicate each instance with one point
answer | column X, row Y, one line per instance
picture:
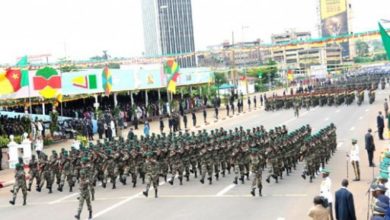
column 168, row 30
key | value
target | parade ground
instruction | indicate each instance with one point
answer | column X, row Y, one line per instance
column 291, row 198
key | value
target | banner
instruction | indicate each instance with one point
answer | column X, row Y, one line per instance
column 88, row 82
column 334, row 20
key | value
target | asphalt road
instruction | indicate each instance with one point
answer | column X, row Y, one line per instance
column 291, row 198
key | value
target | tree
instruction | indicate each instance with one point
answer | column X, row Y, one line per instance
column 362, row 48
column 220, row 78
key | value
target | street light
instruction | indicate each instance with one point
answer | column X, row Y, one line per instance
column 243, row 27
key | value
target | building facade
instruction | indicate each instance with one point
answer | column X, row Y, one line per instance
column 168, row 30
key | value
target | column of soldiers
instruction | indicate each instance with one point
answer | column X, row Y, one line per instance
column 208, row 156
column 317, row 150
column 343, row 91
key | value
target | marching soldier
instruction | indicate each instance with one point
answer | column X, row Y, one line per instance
column 84, row 195
column 152, row 174
column 20, row 183
column 33, row 172
column 257, row 171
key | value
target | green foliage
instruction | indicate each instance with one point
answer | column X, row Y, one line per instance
column 68, row 68
column 366, row 59
column 220, row 78
column 361, row 48
column 4, row 140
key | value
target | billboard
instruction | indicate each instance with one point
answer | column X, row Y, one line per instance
column 334, row 20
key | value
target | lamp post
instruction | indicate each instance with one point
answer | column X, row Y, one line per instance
column 243, row 58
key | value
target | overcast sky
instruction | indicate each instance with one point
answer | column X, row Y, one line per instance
column 83, row 28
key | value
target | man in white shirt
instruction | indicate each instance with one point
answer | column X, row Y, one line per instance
column 354, row 157
column 325, row 190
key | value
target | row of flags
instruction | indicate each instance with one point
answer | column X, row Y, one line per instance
column 47, row 80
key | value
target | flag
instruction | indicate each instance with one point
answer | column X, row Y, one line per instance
column 23, row 62
column 85, row 82
column 10, row 81
column 107, row 81
column 290, row 75
column 385, row 39
column 23, row 65
column 172, row 83
column 47, row 82
column 171, row 67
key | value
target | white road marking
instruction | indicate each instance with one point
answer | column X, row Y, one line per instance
column 116, row 205
column 280, row 218
column 360, row 118
column 340, row 144
column 63, row 198
column 326, row 119
column 367, row 110
column 226, row 189
column 337, row 111
column 353, row 128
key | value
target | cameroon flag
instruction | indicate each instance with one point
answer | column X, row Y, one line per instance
column 10, row 81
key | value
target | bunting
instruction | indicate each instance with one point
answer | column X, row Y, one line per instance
column 107, row 81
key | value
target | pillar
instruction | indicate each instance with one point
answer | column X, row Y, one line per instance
column 146, row 98
column 131, row 98
column 115, row 99
column 96, row 105
column 43, row 108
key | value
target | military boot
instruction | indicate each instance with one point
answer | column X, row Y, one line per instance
column 77, row 216
column 70, row 188
column 104, row 185
column 276, row 178
column 155, row 193
column 171, row 181
column 90, row 214
column 114, row 185
column 267, row 180
column 202, row 181
column 50, row 190
column 146, row 193
column 217, row 176
column 60, row 188
column 247, row 175
column 24, row 200
column 253, row 192
column 181, row 180
column 12, row 202
column 242, row 179
column 29, row 187
column 196, row 174
column 260, row 189
column 223, row 173
column 188, row 177
column 38, row 189
column 235, row 181
column 210, row 180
